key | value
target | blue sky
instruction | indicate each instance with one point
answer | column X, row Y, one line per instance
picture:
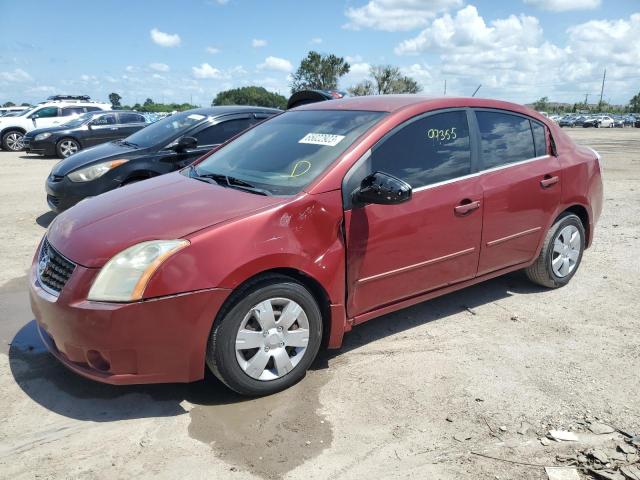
column 518, row 50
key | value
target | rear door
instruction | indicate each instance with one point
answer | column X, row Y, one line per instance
column 102, row 128
column 398, row 251
column 129, row 123
column 521, row 186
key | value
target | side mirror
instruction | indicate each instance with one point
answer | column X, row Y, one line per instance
column 383, row 189
column 185, row 143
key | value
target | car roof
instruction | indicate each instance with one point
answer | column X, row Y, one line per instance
column 231, row 109
column 394, row 103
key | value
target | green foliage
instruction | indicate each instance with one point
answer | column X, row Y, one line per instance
column 386, row 79
column 25, row 104
column 258, row 96
column 159, row 107
column 634, row 104
column 321, row 72
column 114, row 98
column 541, row 104
column 8, row 104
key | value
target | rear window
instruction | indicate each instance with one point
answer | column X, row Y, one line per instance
column 504, row 138
column 539, row 138
column 131, row 118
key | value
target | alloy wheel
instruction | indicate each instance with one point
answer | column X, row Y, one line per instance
column 14, row 141
column 68, row 147
column 272, row 339
column 566, row 251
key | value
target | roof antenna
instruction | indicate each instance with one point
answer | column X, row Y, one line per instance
column 474, row 93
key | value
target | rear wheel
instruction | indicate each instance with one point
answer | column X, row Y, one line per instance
column 267, row 337
column 67, row 147
column 561, row 253
column 12, row 141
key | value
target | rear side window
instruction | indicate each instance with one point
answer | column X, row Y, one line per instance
column 131, row 118
column 539, row 138
column 72, row 111
column 92, row 109
column 504, row 138
column 429, row 150
column 221, row 132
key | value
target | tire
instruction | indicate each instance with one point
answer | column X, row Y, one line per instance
column 67, row 147
column 542, row 271
column 264, row 370
column 12, row 141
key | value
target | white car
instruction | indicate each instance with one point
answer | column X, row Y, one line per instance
column 56, row 110
column 606, row 121
column 16, row 109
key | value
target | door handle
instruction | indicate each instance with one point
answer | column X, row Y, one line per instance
column 466, row 207
column 549, row 181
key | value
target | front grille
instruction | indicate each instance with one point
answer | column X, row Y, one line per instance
column 55, row 201
column 56, row 178
column 53, row 269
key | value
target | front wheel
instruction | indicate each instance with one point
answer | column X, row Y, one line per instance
column 561, row 253
column 12, row 141
column 267, row 337
column 67, row 147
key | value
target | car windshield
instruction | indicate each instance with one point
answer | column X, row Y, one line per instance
column 76, row 122
column 165, row 129
column 286, row 153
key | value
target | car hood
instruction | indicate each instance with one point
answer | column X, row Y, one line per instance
column 166, row 207
column 51, row 130
column 102, row 152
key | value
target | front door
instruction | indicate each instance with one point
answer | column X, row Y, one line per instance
column 46, row 117
column 521, row 187
column 395, row 252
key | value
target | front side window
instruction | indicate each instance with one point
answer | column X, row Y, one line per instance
column 286, row 153
column 46, row 112
column 165, row 130
column 426, row 151
column 221, row 132
column 108, row 119
column 504, row 138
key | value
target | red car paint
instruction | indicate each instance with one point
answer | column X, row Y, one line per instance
column 360, row 263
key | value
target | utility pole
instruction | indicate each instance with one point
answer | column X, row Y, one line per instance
column 445, row 87
column 476, row 91
column 604, row 75
column 586, row 100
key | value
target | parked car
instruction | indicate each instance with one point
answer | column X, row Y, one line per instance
column 637, row 122
column 304, row 97
column 600, row 121
column 303, row 227
column 56, row 110
column 7, row 110
column 87, row 130
column 567, row 121
column 162, row 147
column 618, row 121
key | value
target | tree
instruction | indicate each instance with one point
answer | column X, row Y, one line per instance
column 541, row 104
column 25, row 104
column 385, row 80
column 250, row 96
column 148, row 102
column 114, row 98
column 634, row 103
column 319, row 72
column 9, row 104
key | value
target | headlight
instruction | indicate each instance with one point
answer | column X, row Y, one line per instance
column 95, row 171
column 125, row 277
column 42, row 136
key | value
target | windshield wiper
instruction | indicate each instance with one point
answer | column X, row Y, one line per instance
column 228, row 181
column 122, row 141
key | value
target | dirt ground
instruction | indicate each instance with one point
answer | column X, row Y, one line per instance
column 489, row 370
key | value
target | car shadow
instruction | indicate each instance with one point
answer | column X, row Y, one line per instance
column 34, row 156
column 45, row 219
column 57, row 389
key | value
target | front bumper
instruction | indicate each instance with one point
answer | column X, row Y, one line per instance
column 152, row 341
column 43, row 147
column 63, row 194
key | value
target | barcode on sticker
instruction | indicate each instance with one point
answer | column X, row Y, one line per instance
column 322, row 139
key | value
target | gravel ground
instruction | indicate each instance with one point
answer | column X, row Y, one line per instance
column 489, row 370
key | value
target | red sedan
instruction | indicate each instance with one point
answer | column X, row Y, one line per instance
column 308, row 224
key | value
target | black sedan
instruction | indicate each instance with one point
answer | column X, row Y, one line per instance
column 85, row 131
column 162, row 147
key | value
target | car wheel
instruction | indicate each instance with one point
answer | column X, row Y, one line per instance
column 266, row 338
column 67, row 147
column 561, row 253
column 12, row 141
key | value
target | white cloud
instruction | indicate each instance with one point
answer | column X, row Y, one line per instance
column 17, row 75
column 212, row 50
column 316, row 40
column 564, row 5
column 159, row 67
column 130, row 68
column 276, row 64
column 157, row 76
column 42, row 89
column 165, row 39
column 206, row 71
column 258, row 43
column 88, row 78
column 396, row 15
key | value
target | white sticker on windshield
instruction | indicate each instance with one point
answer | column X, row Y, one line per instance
column 322, row 139
column 196, row 116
